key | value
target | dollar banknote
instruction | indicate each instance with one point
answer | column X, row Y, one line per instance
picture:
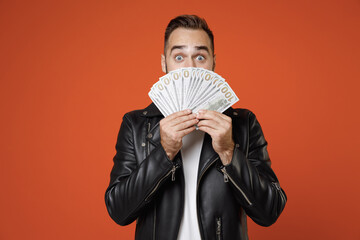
column 192, row 88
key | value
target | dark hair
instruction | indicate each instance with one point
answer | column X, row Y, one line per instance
column 190, row 22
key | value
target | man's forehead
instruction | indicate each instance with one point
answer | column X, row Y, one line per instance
column 193, row 38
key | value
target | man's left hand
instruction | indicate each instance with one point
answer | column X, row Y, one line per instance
column 219, row 127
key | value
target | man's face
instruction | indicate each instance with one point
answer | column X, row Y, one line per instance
column 188, row 48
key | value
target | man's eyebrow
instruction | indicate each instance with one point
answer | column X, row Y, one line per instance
column 202, row 48
column 184, row 46
column 177, row 47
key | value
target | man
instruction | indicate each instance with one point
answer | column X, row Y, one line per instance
column 183, row 183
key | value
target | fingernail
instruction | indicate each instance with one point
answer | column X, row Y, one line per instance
column 201, row 111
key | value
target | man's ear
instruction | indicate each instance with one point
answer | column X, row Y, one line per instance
column 163, row 63
column 214, row 62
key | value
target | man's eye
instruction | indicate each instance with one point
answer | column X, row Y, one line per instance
column 200, row 58
column 178, row 58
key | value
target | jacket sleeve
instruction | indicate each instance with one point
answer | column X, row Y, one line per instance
column 255, row 185
column 133, row 185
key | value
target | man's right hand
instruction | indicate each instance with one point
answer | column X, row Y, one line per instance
column 173, row 128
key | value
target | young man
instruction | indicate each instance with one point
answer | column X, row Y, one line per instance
column 182, row 183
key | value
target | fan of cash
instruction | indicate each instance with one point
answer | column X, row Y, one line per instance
column 192, row 88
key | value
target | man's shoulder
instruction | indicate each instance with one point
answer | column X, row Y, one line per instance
column 238, row 112
column 150, row 111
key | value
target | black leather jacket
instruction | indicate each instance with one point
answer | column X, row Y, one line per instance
column 146, row 186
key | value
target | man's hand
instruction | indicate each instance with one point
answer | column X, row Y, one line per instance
column 173, row 128
column 219, row 127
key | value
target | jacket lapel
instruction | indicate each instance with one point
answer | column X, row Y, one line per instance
column 153, row 134
column 207, row 155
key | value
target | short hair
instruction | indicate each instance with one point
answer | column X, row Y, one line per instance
column 189, row 22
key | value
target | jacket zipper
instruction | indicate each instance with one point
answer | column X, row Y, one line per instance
column 154, row 232
column 227, row 178
column 197, row 189
column 218, row 228
column 172, row 171
column 148, row 144
column 148, row 153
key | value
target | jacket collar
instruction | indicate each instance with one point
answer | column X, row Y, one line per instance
column 151, row 111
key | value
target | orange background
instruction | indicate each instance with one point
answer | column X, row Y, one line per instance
column 69, row 70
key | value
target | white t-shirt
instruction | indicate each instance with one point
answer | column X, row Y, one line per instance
column 190, row 153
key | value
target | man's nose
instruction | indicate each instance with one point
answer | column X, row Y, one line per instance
column 190, row 63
